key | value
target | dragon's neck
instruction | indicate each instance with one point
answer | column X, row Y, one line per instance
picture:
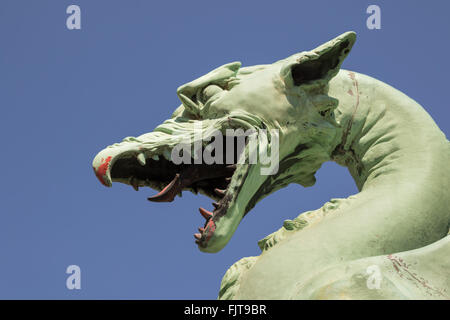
column 384, row 135
column 398, row 158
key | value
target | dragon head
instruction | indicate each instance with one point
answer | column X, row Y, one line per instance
column 283, row 106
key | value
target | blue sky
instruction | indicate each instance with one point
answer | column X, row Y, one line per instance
column 66, row 94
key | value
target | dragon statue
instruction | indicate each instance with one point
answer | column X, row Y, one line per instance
column 389, row 241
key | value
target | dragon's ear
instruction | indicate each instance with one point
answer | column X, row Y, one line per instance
column 319, row 65
column 221, row 77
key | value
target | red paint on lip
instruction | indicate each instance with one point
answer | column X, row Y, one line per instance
column 102, row 169
column 210, row 228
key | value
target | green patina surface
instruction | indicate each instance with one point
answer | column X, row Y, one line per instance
column 398, row 157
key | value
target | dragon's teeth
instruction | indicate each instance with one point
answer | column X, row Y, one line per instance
column 155, row 157
column 205, row 213
column 141, row 158
column 220, row 192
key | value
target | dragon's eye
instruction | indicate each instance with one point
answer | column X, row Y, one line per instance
column 210, row 91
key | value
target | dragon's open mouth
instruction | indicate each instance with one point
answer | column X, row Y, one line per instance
column 160, row 173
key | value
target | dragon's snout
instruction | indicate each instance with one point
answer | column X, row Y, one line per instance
column 131, row 163
column 101, row 169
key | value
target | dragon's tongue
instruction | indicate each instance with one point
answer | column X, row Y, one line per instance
column 181, row 180
column 169, row 192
